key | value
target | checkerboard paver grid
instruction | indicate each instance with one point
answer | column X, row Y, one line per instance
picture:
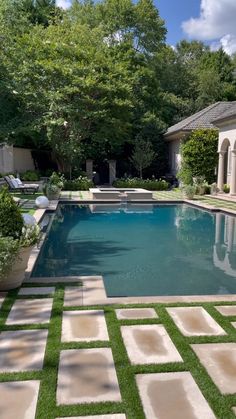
column 110, row 416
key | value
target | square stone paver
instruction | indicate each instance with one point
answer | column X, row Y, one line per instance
column 2, row 296
column 87, row 376
column 27, row 311
column 195, row 321
column 36, row 291
column 226, row 310
column 234, row 324
column 172, row 395
column 112, row 416
column 18, row 399
column 149, row 344
column 84, row 325
column 234, row 410
column 73, row 296
column 219, row 359
column 136, row 313
column 22, row 350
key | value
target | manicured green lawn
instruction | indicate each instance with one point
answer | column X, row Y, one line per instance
column 130, row 404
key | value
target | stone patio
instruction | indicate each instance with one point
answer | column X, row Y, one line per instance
column 27, row 311
column 219, row 359
column 89, row 375
column 86, row 376
column 226, row 310
column 115, row 416
column 18, row 399
column 73, row 296
column 172, row 395
column 86, row 325
column 36, row 291
column 136, row 313
column 195, row 321
column 149, row 344
column 22, row 350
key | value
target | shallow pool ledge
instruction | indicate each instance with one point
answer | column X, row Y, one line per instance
column 93, row 292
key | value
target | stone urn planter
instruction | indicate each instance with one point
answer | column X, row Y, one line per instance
column 189, row 191
column 16, row 275
column 53, row 193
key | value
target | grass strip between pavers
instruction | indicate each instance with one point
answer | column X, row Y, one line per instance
column 131, row 404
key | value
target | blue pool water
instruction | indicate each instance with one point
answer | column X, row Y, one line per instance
column 143, row 250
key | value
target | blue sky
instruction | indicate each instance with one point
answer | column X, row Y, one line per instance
column 211, row 21
column 174, row 12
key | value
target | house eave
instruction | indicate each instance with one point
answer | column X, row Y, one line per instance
column 176, row 135
column 225, row 121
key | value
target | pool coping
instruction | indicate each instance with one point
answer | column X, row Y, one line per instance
column 92, row 288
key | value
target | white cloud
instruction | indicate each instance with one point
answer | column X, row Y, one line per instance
column 217, row 22
column 64, row 4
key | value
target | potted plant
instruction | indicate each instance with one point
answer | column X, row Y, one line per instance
column 16, row 242
column 54, row 186
column 214, row 189
column 189, row 191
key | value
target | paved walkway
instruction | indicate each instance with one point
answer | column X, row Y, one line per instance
column 87, row 371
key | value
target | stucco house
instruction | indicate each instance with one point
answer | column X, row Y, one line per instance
column 221, row 116
column 226, row 123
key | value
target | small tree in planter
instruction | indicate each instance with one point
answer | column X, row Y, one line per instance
column 143, row 156
column 54, row 186
column 16, row 242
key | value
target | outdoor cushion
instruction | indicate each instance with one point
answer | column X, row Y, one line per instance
column 15, row 183
column 18, row 181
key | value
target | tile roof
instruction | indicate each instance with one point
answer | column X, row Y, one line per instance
column 204, row 118
column 231, row 112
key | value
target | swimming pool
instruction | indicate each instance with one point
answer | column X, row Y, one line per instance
column 143, row 250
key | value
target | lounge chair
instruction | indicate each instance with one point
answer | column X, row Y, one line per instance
column 15, row 185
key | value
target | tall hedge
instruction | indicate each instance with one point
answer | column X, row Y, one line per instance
column 199, row 153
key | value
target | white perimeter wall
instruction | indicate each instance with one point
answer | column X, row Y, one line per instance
column 14, row 159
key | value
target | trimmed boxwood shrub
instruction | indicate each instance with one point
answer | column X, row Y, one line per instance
column 149, row 184
column 11, row 221
column 30, row 175
column 82, row 183
column 226, row 188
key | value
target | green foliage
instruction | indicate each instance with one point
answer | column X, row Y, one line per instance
column 86, row 81
column 143, row 155
column 199, row 154
column 189, row 191
column 150, row 184
column 30, row 235
column 82, row 183
column 11, row 221
column 8, row 253
column 30, row 175
column 56, row 179
column 226, row 188
column 185, row 175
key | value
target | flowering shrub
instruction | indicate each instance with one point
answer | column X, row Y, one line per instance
column 81, row 183
column 56, row 179
column 150, row 184
column 8, row 253
column 30, row 235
